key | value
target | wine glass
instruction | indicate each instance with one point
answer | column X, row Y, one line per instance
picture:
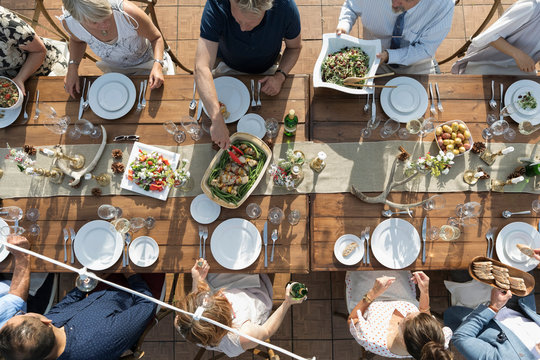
column 536, row 206
column 509, row 134
column 470, row 209
column 427, row 127
column 11, row 213
column 85, row 283
column 275, row 215
column 11, row 230
column 272, row 128
column 449, row 232
column 122, row 225
column 499, row 127
column 52, row 121
column 32, row 214
column 389, row 128
column 404, row 134
column 150, row 222
column 253, row 211
column 108, row 212
column 178, row 135
column 136, row 223
column 34, row 229
column 435, row 202
column 372, row 123
column 490, row 119
column 84, row 127
column 190, row 125
column 294, row 217
column 433, row 233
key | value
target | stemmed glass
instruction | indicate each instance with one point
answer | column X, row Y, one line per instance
column 84, row 282
column 52, row 121
column 137, row 223
column 470, row 209
column 108, row 212
column 190, row 125
column 435, row 202
column 272, row 128
column 253, row 211
column 275, row 215
column 389, row 128
column 294, row 217
column 122, row 225
column 178, row 135
column 499, row 127
column 149, row 222
column 536, row 206
column 490, row 119
column 372, row 124
column 84, row 127
column 427, row 127
column 11, row 230
column 32, row 215
column 11, row 213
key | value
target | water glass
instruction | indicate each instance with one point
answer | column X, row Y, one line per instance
column 436, row 202
column 414, row 126
column 192, row 127
column 470, row 209
column 427, row 127
column 84, row 127
column 34, row 229
column 294, row 217
column 122, row 225
column 85, row 283
column 404, row 134
column 136, row 224
column 433, row 233
column 108, row 212
column 499, row 127
column 253, row 211
column 389, row 128
column 490, row 119
column 52, row 121
column 449, row 232
column 536, row 206
column 272, row 128
column 11, row 213
column 32, row 214
column 275, row 215
column 178, row 135
column 150, row 222
column 371, row 124
column 509, row 134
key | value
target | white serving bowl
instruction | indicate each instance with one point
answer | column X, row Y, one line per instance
column 333, row 43
column 10, row 114
column 449, row 123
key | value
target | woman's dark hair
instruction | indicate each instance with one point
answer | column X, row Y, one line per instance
column 424, row 338
column 30, row 340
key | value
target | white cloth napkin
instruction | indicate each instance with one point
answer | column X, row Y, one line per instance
column 469, row 294
column 233, row 281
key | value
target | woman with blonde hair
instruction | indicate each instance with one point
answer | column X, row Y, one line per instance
column 243, row 305
column 117, row 31
column 389, row 321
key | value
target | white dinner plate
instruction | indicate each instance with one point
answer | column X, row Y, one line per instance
column 512, row 95
column 236, row 244
column 111, row 96
column 130, row 185
column 342, row 243
column 143, row 251
column 234, row 94
column 252, row 124
column 406, row 102
column 204, row 210
column 395, row 243
column 4, row 252
column 517, row 233
column 98, row 245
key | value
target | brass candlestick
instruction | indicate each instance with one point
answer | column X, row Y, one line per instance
column 55, row 175
column 471, row 177
column 498, row 185
column 76, row 161
column 489, row 158
column 102, row 179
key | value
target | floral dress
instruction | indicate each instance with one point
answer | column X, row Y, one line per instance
column 15, row 33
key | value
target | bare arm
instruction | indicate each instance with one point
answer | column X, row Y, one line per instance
column 204, row 60
column 149, row 31
column 523, row 60
column 271, row 85
column 20, row 281
column 379, row 287
column 36, row 55
column 76, row 53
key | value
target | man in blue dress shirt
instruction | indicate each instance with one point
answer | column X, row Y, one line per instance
column 13, row 296
column 247, row 36
column 410, row 30
column 99, row 326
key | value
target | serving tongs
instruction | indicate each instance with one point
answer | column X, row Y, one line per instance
column 353, row 81
column 236, row 155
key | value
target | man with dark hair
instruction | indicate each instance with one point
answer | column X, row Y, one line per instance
column 99, row 326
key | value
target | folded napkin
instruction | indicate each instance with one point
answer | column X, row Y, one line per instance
column 469, row 294
column 233, row 281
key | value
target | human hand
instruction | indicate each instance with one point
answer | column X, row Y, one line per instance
column 422, row 280
column 340, row 31
column 383, row 56
column 19, row 241
column 199, row 271
column 271, row 85
column 220, row 134
column 380, row 286
column 155, row 80
column 537, row 254
column 71, row 83
column 499, row 298
column 290, row 300
column 524, row 61
column 20, row 84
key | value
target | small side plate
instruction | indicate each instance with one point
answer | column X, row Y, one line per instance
column 354, row 257
column 143, row 251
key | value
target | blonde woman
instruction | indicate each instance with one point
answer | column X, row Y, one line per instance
column 244, row 307
column 117, row 31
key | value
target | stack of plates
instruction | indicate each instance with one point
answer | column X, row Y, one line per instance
column 98, row 245
column 236, row 244
column 395, row 243
column 111, row 96
column 406, row 102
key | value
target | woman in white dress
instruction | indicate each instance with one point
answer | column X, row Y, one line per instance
column 243, row 306
column 388, row 320
column 508, row 47
column 117, row 31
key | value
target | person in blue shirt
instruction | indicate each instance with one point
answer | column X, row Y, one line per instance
column 99, row 326
column 247, row 36
column 14, row 299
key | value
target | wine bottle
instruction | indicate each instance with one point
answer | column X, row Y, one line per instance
column 289, row 123
column 298, row 290
column 532, row 169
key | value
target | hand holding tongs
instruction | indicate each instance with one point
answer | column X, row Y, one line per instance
column 236, row 155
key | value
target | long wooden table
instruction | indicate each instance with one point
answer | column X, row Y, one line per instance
column 338, row 117
column 175, row 231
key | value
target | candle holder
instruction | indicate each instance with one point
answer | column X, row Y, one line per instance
column 471, row 177
column 489, row 158
column 102, row 179
column 498, row 185
column 75, row 161
column 55, row 175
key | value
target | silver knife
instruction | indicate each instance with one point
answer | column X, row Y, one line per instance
column 424, row 230
column 199, row 109
column 502, row 102
column 81, row 101
column 265, row 239
column 373, row 107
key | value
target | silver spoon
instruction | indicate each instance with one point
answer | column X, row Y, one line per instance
column 389, row 213
column 492, row 102
column 506, row 213
column 193, row 103
column 367, row 106
column 274, row 238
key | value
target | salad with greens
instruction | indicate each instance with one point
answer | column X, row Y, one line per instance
column 527, row 101
column 150, row 171
column 347, row 62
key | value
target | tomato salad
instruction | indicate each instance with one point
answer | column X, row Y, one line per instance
column 150, row 171
column 9, row 93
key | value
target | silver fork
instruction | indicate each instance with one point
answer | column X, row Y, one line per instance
column 367, row 245
column 253, row 102
column 86, row 103
column 432, row 108
column 66, row 237
column 128, row 241
column 201, row 232
column 139, row 105
column 439, row 104
column 72, row 237
column 25, row 114
column 36, row 111
column 205, row 236
column 367, row 106
column 363, row 239
column 259, row 104
column 143, row 104
column 491, row 242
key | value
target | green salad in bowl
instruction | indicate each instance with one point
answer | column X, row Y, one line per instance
column 344, row 63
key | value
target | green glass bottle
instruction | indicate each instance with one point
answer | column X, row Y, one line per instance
column 298, row 290
column 532, row 169
column 289, row 123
